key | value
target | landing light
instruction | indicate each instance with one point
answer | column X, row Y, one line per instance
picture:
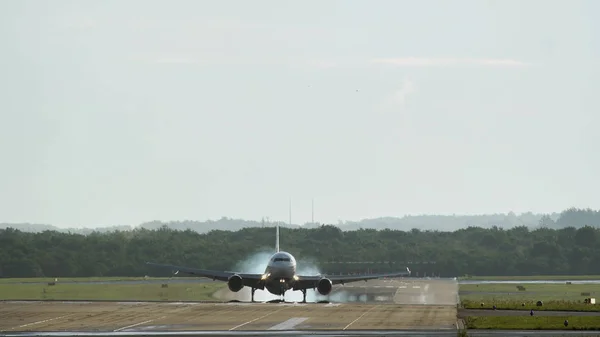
column 296, row 278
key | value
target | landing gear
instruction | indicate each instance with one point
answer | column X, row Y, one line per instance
column 253, row 290
column 303, row 295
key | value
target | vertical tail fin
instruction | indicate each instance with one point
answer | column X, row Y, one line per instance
column 277, row 228
column 277, row 238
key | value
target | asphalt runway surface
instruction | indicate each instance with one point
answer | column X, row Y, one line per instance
column 372, row 333
column 393, row 291
column 373, row 305
column 400, row 307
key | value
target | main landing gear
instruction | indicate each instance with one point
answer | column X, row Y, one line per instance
column 282, row 295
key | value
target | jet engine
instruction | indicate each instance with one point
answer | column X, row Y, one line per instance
column 324, row 286
column 235, row 283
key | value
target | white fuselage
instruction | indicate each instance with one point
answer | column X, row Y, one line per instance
column 280, row 273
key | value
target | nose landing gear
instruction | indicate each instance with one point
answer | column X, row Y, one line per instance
column 282, row 289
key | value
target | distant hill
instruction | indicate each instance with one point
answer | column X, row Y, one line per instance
column 206, row 226
column 570, row 217
column 450, row 222
column 36, row 228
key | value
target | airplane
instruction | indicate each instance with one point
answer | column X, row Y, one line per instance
column 279, row 276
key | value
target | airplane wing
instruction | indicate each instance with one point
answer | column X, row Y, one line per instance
column 305, row 282
column 249, row 280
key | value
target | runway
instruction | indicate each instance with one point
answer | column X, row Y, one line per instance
column 403, row 307
column 330, row 333
column 373, row 305
column 394, row 291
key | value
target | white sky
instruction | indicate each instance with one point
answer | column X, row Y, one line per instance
column 119, row 112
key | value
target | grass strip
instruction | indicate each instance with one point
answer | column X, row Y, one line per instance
column 532, row 323
column 531, row 278
column 124, row 292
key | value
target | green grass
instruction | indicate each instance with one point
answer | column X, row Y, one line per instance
column 532, row 323
column 543, row 292
column 518, row 305
column 122, row 292
column 508, row 296
column 77, row 279
column 529, row 287
column 531, row 278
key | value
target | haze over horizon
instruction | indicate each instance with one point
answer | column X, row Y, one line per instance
column 271, row 221
column 123, row 112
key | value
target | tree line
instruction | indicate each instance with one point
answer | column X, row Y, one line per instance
column 469, row 251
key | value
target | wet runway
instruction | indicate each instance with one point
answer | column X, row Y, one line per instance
column 402, row 307
column 373, row 305
column 330, row 333
column 397, row 291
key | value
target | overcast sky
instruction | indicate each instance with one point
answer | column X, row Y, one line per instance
column 120, row 112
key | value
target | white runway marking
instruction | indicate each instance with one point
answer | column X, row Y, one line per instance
column 136, row 324
column 40, row 322
column 359, row 317
column 289, row 324
column 154, row 319
column 296, row 304
column 382, row 298
column 256, row 319
column 377, row 287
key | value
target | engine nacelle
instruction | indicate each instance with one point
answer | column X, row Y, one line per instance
column 235, row 283
column 324, row 286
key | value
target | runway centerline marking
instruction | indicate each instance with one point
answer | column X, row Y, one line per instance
column 154, row 319
column 42, row 321
column 361, row 316
column 396, row 293
column 289, row 324
column 261, row 317
column 140, row 323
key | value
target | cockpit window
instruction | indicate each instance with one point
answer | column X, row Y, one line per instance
column 281, row 259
